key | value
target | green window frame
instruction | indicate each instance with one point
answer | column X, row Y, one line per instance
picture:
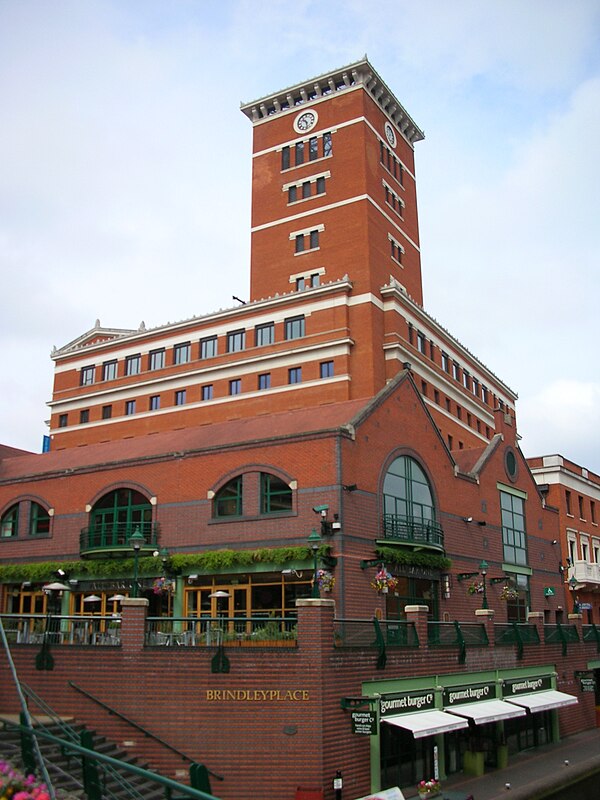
column 228, row 500
column 514, row 533
column 39, row 520
column 407, row 494
column 275, row 495
column 118, row 514
column 9, row 522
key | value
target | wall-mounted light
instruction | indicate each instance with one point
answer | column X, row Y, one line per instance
column 292, row 572
column 446, row 581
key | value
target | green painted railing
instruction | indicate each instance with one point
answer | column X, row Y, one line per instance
column 561, row 634
column 116, row 537
column 457, row 634
column 516, row 633
column 591, row 633
column 426, row 533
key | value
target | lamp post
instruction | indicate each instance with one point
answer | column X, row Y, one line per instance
column 483, row 568
column 314, row 540
column 572, row 584
column 136, row 541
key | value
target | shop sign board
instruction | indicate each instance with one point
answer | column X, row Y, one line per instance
column 406, row 702
column 455, row 695
column 587, row 682
column 516, row 686
column 364, row 722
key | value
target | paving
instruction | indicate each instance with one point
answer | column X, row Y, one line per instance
column 534, row 773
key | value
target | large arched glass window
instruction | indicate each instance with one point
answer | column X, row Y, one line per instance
column 406, row 492
column 228, row 500
column 9, row 524
column 275, row 494
column 39, row 520
column 117, row 515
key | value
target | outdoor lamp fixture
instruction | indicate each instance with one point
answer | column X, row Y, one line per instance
column 164, row 557
column 314, row 540
column 136, row 541
column 483, row 568
column 572, row 582
column 291, row 572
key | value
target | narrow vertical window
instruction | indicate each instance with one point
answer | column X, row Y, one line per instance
column 155, row 402
column 313, row 148
column 300, row 243
column 84, row 416
column 321, row 185
column 292, row 194
column 299, row 153
column 314, row 239
column 207, row 392
column 264, row 381
column 285, row 158
column 235, row 386
column 129, row 407
column 306, row 189
column 326, row 369
column 106, row 412
column 180, row 397
column 63, row 420
column 327, row 144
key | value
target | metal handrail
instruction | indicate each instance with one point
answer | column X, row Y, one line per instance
column 148, row 733
column 78, row 629
column 413, row 529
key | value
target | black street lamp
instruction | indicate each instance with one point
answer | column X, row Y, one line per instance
column 136, row 541
column 483, row 568
column 314, row 540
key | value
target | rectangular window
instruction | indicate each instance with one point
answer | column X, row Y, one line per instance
column 315, row 280
column 156, row 359
column 63, row 420
column 421, row 342
column 455, row 371
column 235, row 386
column 445, row 362
column 106, row 412
column 39, row 522
column 585, row 549
column 236, row 341
column 292, row 194
column 155, row 402
column 321, row 185
column 295, row 375
column 84, row 416
column 568, row 502
column 580, row 500
column 294, row 327
column 475, row 386
column 207, row 392
column 299, row 153
column 109, row 370
column 182, row 353
column 465, row 379
column 436, row 396
column 593, row 511
column 306, row 189
column 87, row 375
column 264, row 381
column 424, row 388
column 327, row 144
column 264, row 334
column 514, row 537
column 129, row 408
column 208, row 347
column 285, row 158
column 313, row 148
column 459, row 412
column 484, row 394
column 326, row 369
column 300, row 284
column 314, row 239
column 300, row 243
column 180, row 395
column 133, row 365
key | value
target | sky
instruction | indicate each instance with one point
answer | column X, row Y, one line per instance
column 125, row 177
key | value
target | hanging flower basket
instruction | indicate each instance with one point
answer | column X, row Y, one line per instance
column 509, row 593
column 325, row 580
column 429, row 788
column 475, row 588
column 16, row 785
column 384, row 582
column 163, row 586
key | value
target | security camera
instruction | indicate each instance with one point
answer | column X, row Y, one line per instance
column 320, row 509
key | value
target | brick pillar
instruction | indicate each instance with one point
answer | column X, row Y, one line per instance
column 486, row 615
column 315, row 624
column 134, row 611
column 537, row 618
column 418, row 616
column 577, row 621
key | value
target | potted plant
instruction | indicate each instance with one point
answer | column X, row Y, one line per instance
column 325, row 580
column 475, row 588
column 384, row 581
column 429, row 788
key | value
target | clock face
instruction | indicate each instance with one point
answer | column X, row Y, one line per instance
column 305, row 121
column 390, row 134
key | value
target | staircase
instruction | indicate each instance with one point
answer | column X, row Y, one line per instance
column 65, row 770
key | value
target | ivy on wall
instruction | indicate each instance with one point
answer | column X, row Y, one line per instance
column 207, row 562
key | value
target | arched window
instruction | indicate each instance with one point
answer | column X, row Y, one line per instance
column 9, row 524
column 275, row 494
column 406, row 492
column 228, row 500
column 39, row 520
column 117, row 515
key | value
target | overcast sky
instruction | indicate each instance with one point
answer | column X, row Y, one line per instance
column 125, row 176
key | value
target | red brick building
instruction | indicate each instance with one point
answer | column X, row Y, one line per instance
column 190, row 463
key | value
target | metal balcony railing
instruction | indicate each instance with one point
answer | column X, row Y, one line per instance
column 424, row 533
column 221, row 631
column 62, row 630
column 115, row 538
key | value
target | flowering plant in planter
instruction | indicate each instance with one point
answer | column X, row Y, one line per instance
column 428, row 788
column 384, row 581
column 163, row 586
column 16, row 786
column 509, row 593
column 325, row 580
column 475, row 588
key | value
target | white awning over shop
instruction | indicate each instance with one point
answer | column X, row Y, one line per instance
column 427, row 723
column 487, row 711
column 543, row 701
